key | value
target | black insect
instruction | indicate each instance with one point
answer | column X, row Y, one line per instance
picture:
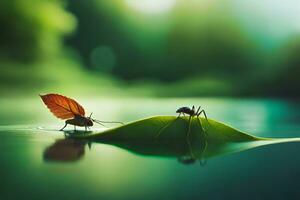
column 192, row 113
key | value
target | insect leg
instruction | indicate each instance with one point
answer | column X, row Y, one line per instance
column 167, row 125
column 202, row 160
column 63, row 127
column 74, row 128
column 203, row 111
column 198, row 110
column 189, row 127
column 188, row 137
column 85, row 127
column 200, row 123
column 204, row 132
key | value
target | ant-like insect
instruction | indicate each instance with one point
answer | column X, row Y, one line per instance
column 192, row 113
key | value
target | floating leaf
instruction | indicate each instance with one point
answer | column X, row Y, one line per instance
column 141, row 137
column 62, row 107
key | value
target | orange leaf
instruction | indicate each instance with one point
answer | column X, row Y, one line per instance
column 62, row 107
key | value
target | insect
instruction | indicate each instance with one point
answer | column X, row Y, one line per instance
column 67, row 108
column 192, row 113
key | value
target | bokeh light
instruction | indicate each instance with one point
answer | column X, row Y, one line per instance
column 151, row 6
column 103, row 58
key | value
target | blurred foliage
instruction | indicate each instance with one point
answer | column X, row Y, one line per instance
column 201, row 45
column 286, row 82
column 33, row 29
column 162, row 48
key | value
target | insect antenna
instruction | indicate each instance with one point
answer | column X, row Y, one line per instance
column 101, row 122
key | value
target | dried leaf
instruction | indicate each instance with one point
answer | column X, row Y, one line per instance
column 62, row 107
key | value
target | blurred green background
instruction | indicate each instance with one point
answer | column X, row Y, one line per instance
column 117, row 58
column 150, row 47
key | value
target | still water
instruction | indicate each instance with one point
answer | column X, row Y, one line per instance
column 104, row 171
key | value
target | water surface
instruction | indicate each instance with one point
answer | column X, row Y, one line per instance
column 28, row 129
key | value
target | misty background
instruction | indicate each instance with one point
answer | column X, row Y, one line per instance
column 150, row 47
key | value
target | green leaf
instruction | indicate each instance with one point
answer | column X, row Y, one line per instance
column 168, row 136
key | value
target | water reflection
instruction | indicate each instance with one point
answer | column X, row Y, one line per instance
column 139, row 138
column 186, row 151
column 70, row 150
column 65, row 150
column 111, row 172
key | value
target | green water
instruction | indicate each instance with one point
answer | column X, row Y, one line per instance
column 28, row 130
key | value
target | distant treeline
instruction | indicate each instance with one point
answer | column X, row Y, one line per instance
column 180, row 46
